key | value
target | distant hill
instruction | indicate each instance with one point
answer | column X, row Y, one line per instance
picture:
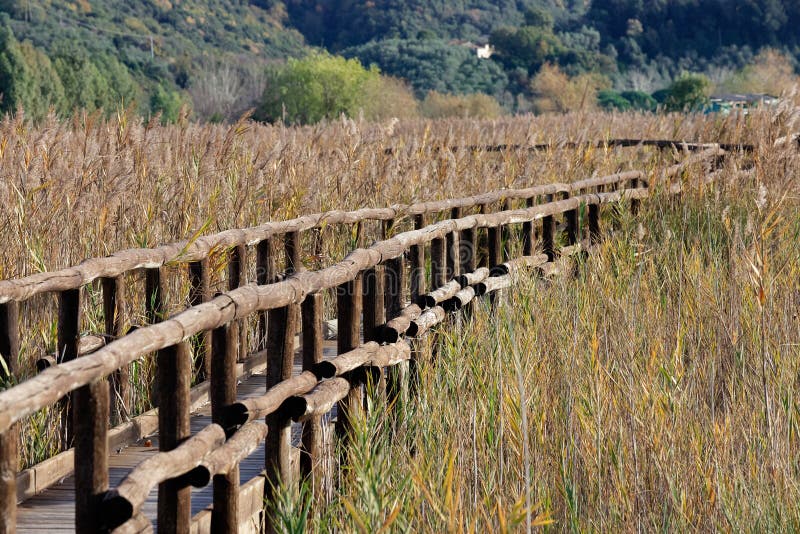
column 161, row 54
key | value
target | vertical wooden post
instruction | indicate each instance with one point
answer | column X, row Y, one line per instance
column 635, row 202
column 199, row 292
column 223, row 394
column 395, row 295
column 374, row 304
column 174, row 367
column 85, row 422
column 311, row 454
column 9, row 453
column 266, row 271
column 505, row 234
column 348, row 311
column 594, row 221
column 417, row 257
column 495, row 245
column 467, row 250
column 483, row 258
column 438, row 263
column 283, row 323
column 453, row 239
column 548, row 234
column 571, row 218
column 237, row 277
column 527, row 231
column 113, row 308
column 155, row 307
column 69, row 320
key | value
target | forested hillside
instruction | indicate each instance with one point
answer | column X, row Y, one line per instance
column 217, row 58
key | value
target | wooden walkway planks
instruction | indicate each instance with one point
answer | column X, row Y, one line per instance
column 54, row 508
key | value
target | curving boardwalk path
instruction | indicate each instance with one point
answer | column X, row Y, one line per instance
column 53, row 510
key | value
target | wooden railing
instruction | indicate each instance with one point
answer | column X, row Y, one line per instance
column 374, row 283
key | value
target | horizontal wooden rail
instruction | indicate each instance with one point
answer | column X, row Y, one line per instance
column 199, row 249
column 55, row 382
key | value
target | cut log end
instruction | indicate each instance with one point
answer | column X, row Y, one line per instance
column 115, row 510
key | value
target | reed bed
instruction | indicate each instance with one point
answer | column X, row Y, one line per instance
column 654, row 391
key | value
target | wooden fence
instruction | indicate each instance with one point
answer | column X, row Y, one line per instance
column 394, row 290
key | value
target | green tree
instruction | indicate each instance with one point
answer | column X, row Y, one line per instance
column 612, row 101
column 167, row 102
column 319, row 86
column 690, row 92
column 528, row 47
column 15, row 75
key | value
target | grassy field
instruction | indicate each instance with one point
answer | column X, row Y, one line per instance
column 654, row 391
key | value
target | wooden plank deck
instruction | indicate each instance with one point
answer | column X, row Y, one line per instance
column 54, row 509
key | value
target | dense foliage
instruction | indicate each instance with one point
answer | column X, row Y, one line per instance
column 210, row 56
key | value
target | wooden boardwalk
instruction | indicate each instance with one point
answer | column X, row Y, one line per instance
column 53, row 510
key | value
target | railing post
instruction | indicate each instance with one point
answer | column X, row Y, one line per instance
column 594, row 220
column 237, row 277
column 453, row 239
column 312, row 450
column 495, row 245
column 395, row 294
column 374, row 304
column 174, row 367
column 438, row 263
column 223, row 394
column 113, row 308
column 85, row 422
column 417, row 258
column 282, row 327
column 266, row 271
column 505, row 234
column 635, row 202
column 199, row 292
column 528, row 237
column 571, row 218
column 548, row 234
column 155, row 307
column 9, row 453
column 69, row 320
column 348, row 311
column 483, row 259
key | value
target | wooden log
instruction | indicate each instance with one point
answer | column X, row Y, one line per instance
column 417, row 261
column 483, row 252
column 174, row 368
column 348, row 310
column 395, row 328
column 257, row 407
column 113, row 311
column 459, row 300
column 453, row 247
column 86, row 345
column 492, row 284
column 199, row 292
column 347, row 361
column 438, row 263
column 320, row 400
column 441, row 294
column 312, row 438
column 9, row 453
column 472, row 277
column 223, row 394
column 138, row 524
column 425, row 321
column 594, row 223
column 121, row 504
column 223, row 459
column 635, row 202
column 68, row 335
column 390, row 355
column 519, row 264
